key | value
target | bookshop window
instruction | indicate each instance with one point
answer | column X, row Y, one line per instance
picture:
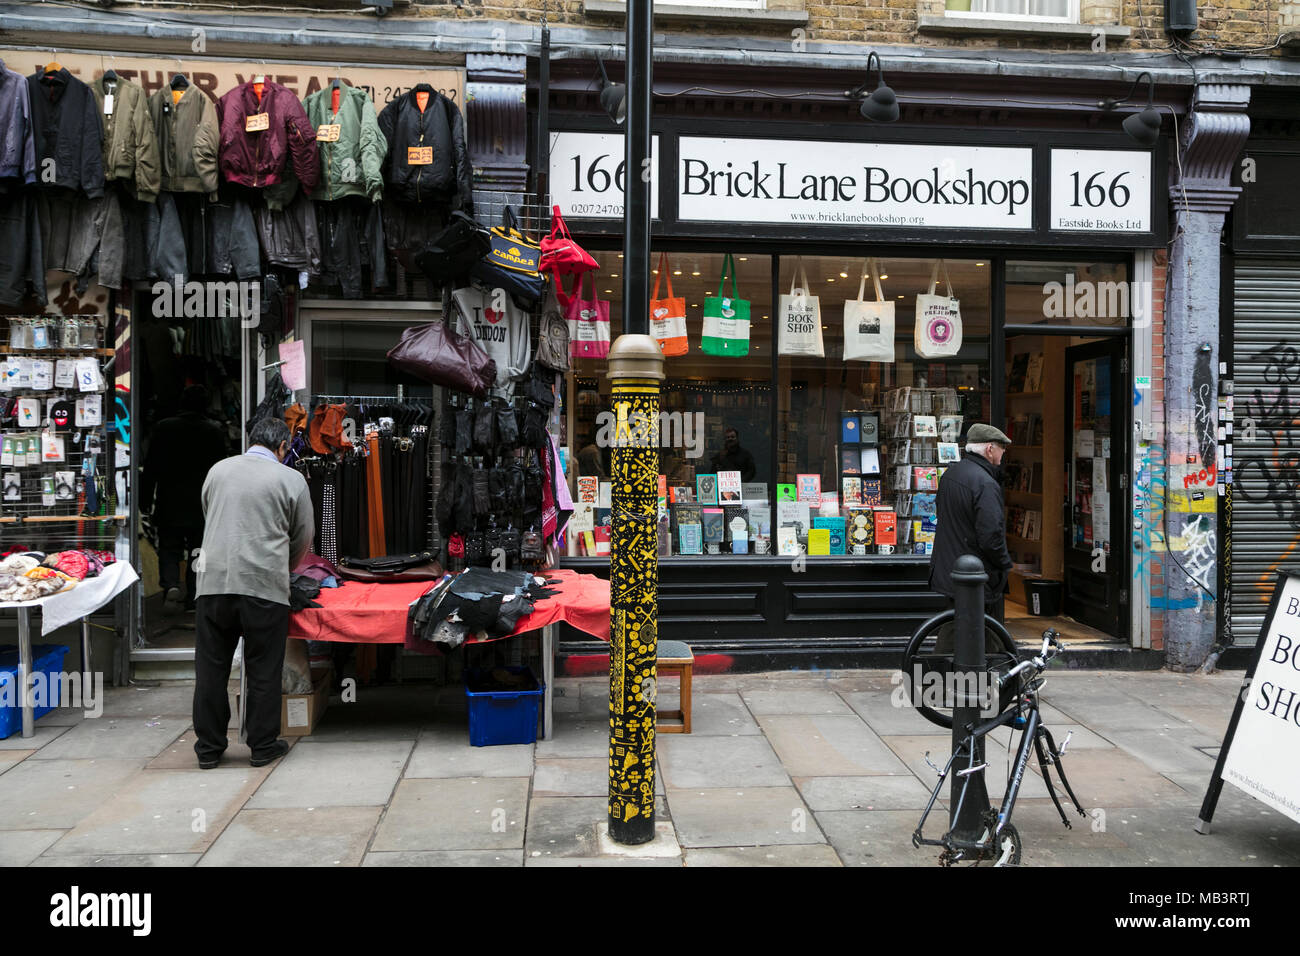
column 1070, row 293
column 866, row 429
column 716, row 443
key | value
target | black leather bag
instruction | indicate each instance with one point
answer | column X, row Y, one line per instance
column 434, row 353
column 453, row 252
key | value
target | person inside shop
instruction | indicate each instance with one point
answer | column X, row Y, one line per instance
column 181, row 450
column 590, row 463
column 970, row 519
column 733, row 457
column 259, row 525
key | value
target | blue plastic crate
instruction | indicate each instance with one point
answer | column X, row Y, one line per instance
column 499, row 716
column 47, row 659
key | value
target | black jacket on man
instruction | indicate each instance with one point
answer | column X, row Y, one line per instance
column 445, row 180
column 971, row 520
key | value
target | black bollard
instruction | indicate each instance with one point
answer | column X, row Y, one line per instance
column 967, row 813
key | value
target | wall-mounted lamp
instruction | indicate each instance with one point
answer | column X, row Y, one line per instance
column 1143, row 127
column 613, row 96
column 882, row 105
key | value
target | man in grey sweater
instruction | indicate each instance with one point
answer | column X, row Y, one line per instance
column 258, row 525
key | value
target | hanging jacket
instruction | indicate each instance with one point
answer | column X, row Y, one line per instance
column 130, row 144
column 503, row 334
column 66, row 130
column 353, row 164
column 17, row 148
column 289, row 236
column 446, row 178
column 22, row 267
column 261, row 158
column 187, row 140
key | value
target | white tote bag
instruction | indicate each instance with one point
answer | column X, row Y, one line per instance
column 869, row 326
column 800, row 317
column 938, row 320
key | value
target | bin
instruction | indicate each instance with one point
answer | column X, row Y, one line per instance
column 1043, row 597
column 47, row 660
column 502, row 712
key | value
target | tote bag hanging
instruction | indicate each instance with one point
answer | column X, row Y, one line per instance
column 938, row 319
column 869, row 326
column 726, row 318
column 668, row 316
column 800, row 318
column 560, row 254
column 588, row 323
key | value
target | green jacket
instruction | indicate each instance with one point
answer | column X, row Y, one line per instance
column 188, row 138
column 352, row 165
column 130, row 146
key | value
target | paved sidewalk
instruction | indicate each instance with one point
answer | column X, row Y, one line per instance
column 815, row 769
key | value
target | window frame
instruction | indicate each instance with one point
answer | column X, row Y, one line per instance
column 1072, row 16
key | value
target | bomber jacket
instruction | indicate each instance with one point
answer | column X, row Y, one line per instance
column 447, row 178
column 353, row 165
column 187, row 140
column 17, row 149
column 66, row 130
column 130, row 144
column 260, row 158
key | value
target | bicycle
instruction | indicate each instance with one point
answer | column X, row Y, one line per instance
column 1018, row 708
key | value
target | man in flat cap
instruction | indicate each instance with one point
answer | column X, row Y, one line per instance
column 971, row 516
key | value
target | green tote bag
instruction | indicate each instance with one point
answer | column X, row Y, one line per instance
column 726, row 318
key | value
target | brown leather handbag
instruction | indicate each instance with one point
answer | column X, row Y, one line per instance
column 434, row 353
column 421, row 566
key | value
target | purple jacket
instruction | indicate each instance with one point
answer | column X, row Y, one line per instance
column 17, row 150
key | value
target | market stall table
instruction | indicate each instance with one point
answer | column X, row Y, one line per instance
column 366, row 613
column 81, row 601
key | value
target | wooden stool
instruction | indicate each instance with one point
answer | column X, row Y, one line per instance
column 675, row 657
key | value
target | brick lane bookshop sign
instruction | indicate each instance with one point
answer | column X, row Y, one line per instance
column 1261, row 753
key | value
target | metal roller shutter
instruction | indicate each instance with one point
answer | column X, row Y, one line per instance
column 1266, row 471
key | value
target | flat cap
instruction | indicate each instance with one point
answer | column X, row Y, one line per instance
column 986, row 433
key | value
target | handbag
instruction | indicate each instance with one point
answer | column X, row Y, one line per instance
column 869, row 326
column 422, row 566
column 938, row 319
column 454, row 251
column 553, row 333
column 726, row 318
column 434, row 353
column 588, row 323
column 668, row 316
column 800, row 317
column 511, row 249
column 562, row 256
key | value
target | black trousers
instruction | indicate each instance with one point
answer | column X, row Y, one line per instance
column 220, row 621
column 174, row 546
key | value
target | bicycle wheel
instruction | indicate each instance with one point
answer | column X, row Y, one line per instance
column 919, row 661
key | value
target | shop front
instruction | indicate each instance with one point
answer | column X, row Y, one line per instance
column 800, row 460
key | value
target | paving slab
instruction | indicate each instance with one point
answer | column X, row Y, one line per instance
column 21, row 847
column 337, row 774
column 719, row 714
column 58, row 794
column 877, row 837
column 43, row 734
column 174, row 699
column 1211, row 721
column 442, row 858
column 115, row 737
column 690, row 762
column 881, row 712
column 785, row 701
column 127, row 860
column 1240, row 836
column 180, row 754
column 816, row 854
column 328, row 836
column 912, row 751
column 603, row 861
column 1115, row 778
column 65, row 716
column 576, row 738
column 568, row 828
column 180, row 811
column 446, row 752
column 388, row 712
column 899, row 792
column 755, row 816
column 1166, row 751
column 829, row 747
column 461, row 813
column 11, row 758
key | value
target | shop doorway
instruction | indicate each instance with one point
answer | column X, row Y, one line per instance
column 1065, row 418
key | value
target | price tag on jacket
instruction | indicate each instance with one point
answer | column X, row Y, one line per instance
column 328, row 133
column 88, row 377
column 42, row 374
column 108, row 104
column 419, row 155
column 65, row 373
column 257, row 122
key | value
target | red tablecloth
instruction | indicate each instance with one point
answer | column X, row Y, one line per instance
column 376, row 613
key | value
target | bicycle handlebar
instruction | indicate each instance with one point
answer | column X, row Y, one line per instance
column 1051, row 647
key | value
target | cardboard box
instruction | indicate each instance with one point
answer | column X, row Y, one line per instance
column 299, row 713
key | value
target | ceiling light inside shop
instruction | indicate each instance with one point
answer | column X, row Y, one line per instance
column 979, row 263
column 620, row 255
column 844, row 275
column 613, row 275
column 744, row 258
column 677, row 272
column 695, row 273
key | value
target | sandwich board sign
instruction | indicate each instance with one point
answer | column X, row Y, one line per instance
column 1261, row 752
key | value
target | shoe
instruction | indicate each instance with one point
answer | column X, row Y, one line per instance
column 209, row 763
column 278, row 750
column 172, row 601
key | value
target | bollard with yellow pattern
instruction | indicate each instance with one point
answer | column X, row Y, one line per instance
column 635, row 371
